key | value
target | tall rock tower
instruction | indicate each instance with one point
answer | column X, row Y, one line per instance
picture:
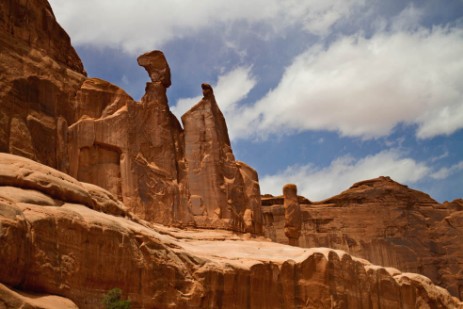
column 218, row 191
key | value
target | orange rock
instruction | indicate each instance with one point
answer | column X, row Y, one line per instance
column 40, row 74
column 293, row 215
column 65, row 248
column 253, row 213
column 11, row 299
column 386, row 223
column 214, row 178
column 132, row 149
column 156, row 65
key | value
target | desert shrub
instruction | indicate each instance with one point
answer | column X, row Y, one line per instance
column 112, row 300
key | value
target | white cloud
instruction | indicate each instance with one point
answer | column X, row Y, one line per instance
column 141, row 25
column 364, row 87
column 408, row 19
column 445, row 172
column 317, row 184
column 231, row 88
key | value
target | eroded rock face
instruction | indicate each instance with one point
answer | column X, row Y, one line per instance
column 139, row 152
column 215, row 181
column 293, row 215
column 383, row 222
column 134, row 150
column 252, row 217
column 40, row 74
column 156, row 65
column 67, row 249
column 11, row 299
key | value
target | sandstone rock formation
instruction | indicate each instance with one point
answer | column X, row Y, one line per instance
column 135, row 150
column 385, row 223
column 11, row 299
column 252, row 217
column 61, row 246
column 140, row 153
column 40, row 73
column 64, row 242
column 157, row 67
column 217, row 187
column 293, row 215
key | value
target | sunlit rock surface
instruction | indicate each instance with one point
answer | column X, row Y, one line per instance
column 386, row 223
column 61, row 246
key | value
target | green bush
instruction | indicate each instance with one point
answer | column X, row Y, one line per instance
column 112, row 300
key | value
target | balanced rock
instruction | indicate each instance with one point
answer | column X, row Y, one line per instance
column 156, row 65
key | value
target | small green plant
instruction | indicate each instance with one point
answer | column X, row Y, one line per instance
column 112, row 300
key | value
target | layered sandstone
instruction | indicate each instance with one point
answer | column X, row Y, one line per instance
column 386, row 223
column 218, row 193
column 11, row 299
column 61, row 246
column 163, row 173
column 40, row 73
column 94, row 131
column 132, row 149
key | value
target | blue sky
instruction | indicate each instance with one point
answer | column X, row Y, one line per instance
column 323, row 93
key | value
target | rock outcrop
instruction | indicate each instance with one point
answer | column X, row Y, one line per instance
column 139, row 152
column 52, row 113
column 293, row 215
column 386, row 223
column 65, row 242
column 134, row 150
column 60, row 246
column 11, row 299
column 218, row 194
column 40, row 73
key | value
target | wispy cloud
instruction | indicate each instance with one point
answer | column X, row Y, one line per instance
column 145, row 24
column 320, row 183
column 231, row 88
column 446, row 172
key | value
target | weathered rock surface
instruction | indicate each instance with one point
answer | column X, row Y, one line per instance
column 253, row 213
column 293, row 215
column 134, row 150
column 40, row 73
column 385, row 223
column 156, row 65
column 64, row 248
column 139, row 152
column 11, row 299
column 216, row 184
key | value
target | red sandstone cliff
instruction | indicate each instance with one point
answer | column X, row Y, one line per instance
column 40, row 73
column 59, row 245
column 64, row 242
column 136, row 150
column 386, row 223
